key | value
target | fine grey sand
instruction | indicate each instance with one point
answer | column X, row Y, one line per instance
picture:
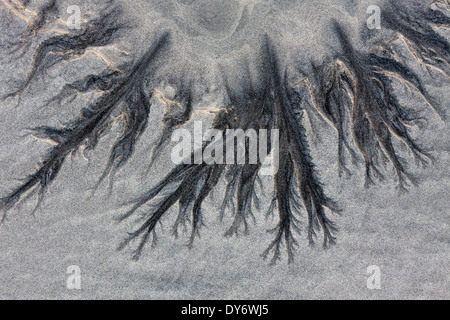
column 214, row 53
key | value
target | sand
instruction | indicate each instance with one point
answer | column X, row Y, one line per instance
column 406, row 235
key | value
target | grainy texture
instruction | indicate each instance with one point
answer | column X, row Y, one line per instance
column 349, row 103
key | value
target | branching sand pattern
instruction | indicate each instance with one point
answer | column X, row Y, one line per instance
column 351, row 87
